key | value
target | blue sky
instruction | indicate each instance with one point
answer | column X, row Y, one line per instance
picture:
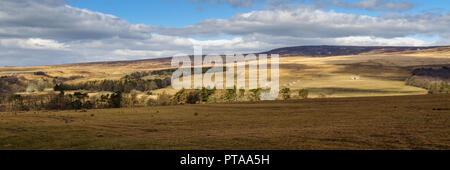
column 172, row 13
column 178, row 13
column 46, row 32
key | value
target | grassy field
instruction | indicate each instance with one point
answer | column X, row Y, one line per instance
column 402, row 122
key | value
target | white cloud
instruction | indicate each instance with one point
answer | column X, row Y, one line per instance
column 367, row 40
column 371, row 5
column 310, row 22
column 33, row 43
column 143, row 53
column 375, row 5
column 52, row 19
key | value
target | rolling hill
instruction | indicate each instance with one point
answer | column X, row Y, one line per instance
column 331, row 118
column 326, row 70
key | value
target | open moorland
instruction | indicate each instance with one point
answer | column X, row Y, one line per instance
column 333, row 97
column 376, row 72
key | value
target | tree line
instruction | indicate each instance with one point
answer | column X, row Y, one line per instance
column 436, row 81
column 123, row 85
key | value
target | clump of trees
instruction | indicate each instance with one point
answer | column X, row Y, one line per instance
column 121, row 93
column 287, row 93
column 142, row 74
column 137, row 75
column 165, row 72
column 126, row 84
column 11, row 84
column 439, row 88
column 184, row 96
column 205, row 95
column 436, row 81
column 442, row 73
column 432, row 85
column 74, row 101
column 123, row 85
column 82, row 100
column 41, row 73
column 196, row 96
column 62, row 101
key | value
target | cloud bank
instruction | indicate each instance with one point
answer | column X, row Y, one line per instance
column 372, row 5
column 47, row 32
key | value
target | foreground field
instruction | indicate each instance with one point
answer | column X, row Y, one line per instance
column 402, row 122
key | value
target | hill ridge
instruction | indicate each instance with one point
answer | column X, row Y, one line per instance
column 335, row 50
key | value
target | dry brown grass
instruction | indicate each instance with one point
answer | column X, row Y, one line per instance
column 403, row 122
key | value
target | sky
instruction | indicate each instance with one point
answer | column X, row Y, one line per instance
column 48, row 32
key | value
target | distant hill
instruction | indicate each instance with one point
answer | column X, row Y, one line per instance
column 440, row 73
column 326, row 51
column 308, row 51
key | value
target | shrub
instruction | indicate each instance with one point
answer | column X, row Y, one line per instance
column 152, row 102
column 206, row 93
column 230, row 95
column 115, row 100
column 241, row 93
column 40, row 73
column 76, row 104
column 303, row 93
column 179, row 97
column 285, row 93
column 88, row 105
column 163, row 99
column 133, row 98
column 255, row 94
column 193, row 97
column 80, row 95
